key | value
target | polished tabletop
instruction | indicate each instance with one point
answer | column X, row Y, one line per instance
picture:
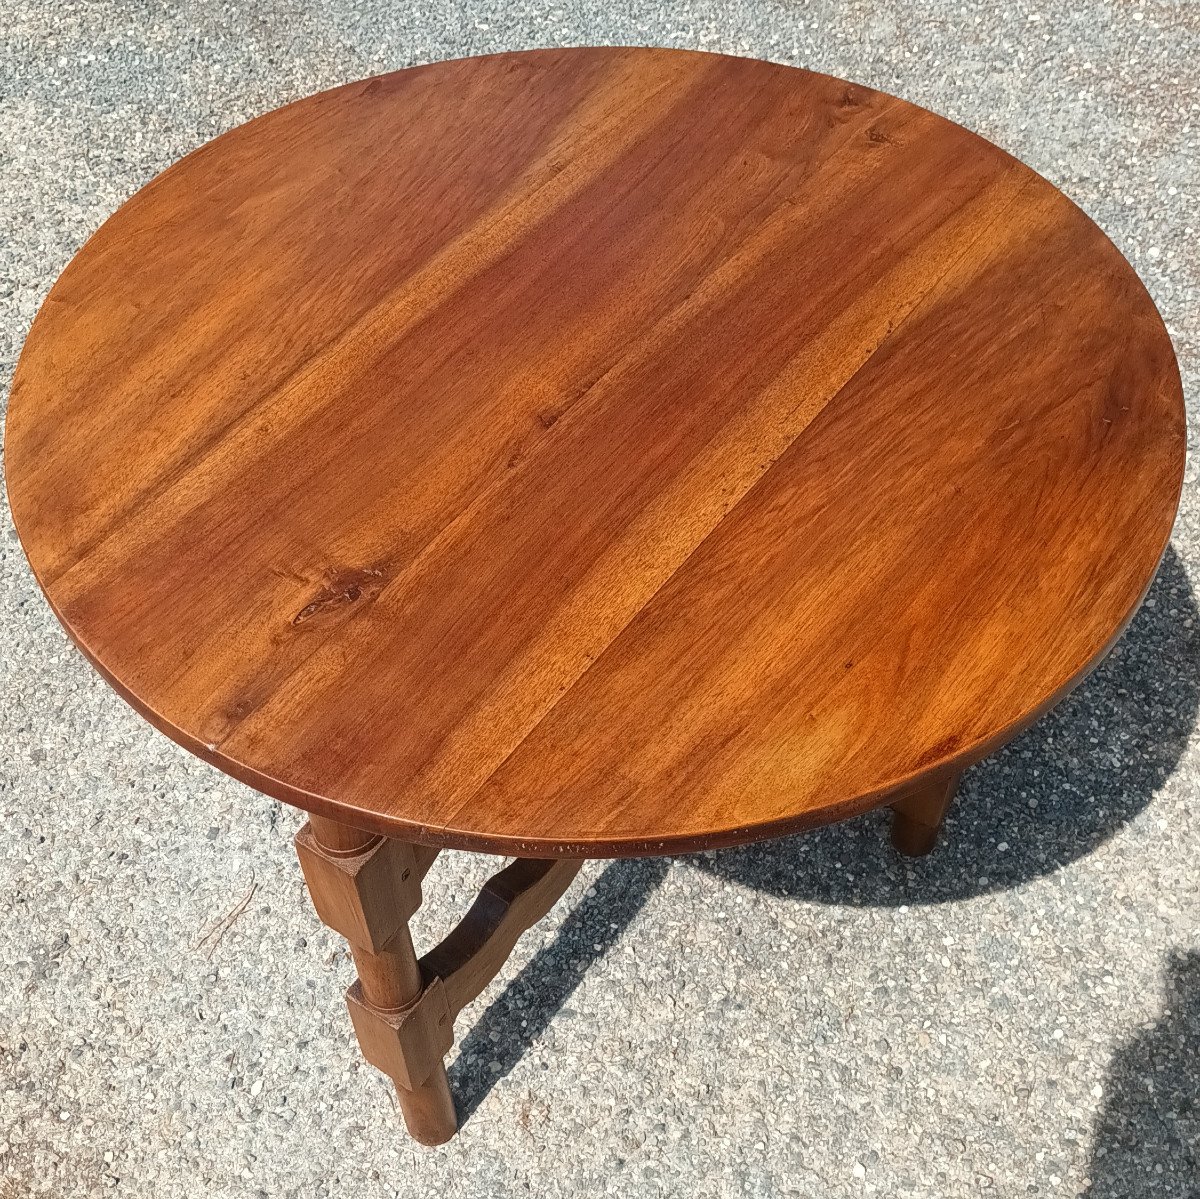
column 595, row 451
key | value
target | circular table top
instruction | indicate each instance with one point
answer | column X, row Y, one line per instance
column 595, row 451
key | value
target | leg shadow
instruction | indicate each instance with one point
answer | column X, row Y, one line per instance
column 1048, row 798
column 1147, row 1137
column 517, row 1017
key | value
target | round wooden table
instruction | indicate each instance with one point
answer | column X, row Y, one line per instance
column 585, row 453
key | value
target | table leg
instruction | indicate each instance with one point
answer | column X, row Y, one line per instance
column 367, row 887
column 918, row 816
column 389, row 975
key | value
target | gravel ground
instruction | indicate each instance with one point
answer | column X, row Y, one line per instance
column 1018, row 1014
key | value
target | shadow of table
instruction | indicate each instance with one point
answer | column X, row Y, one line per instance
column 1049, row 798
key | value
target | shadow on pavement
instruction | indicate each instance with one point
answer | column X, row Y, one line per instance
column 1049, row 798
column 519, row 1016
column 1147, row 1136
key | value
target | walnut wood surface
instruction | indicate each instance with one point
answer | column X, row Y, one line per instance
column 593, row 452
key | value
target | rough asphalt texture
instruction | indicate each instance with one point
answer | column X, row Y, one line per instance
column 1018, row 1014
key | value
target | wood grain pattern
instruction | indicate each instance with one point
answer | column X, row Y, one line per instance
column 591, row 452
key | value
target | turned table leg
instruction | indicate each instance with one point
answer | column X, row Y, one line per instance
column 367, row 887
column 918, row 816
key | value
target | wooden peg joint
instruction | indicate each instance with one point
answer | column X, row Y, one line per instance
column 366, row 895
column 409, row 1044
